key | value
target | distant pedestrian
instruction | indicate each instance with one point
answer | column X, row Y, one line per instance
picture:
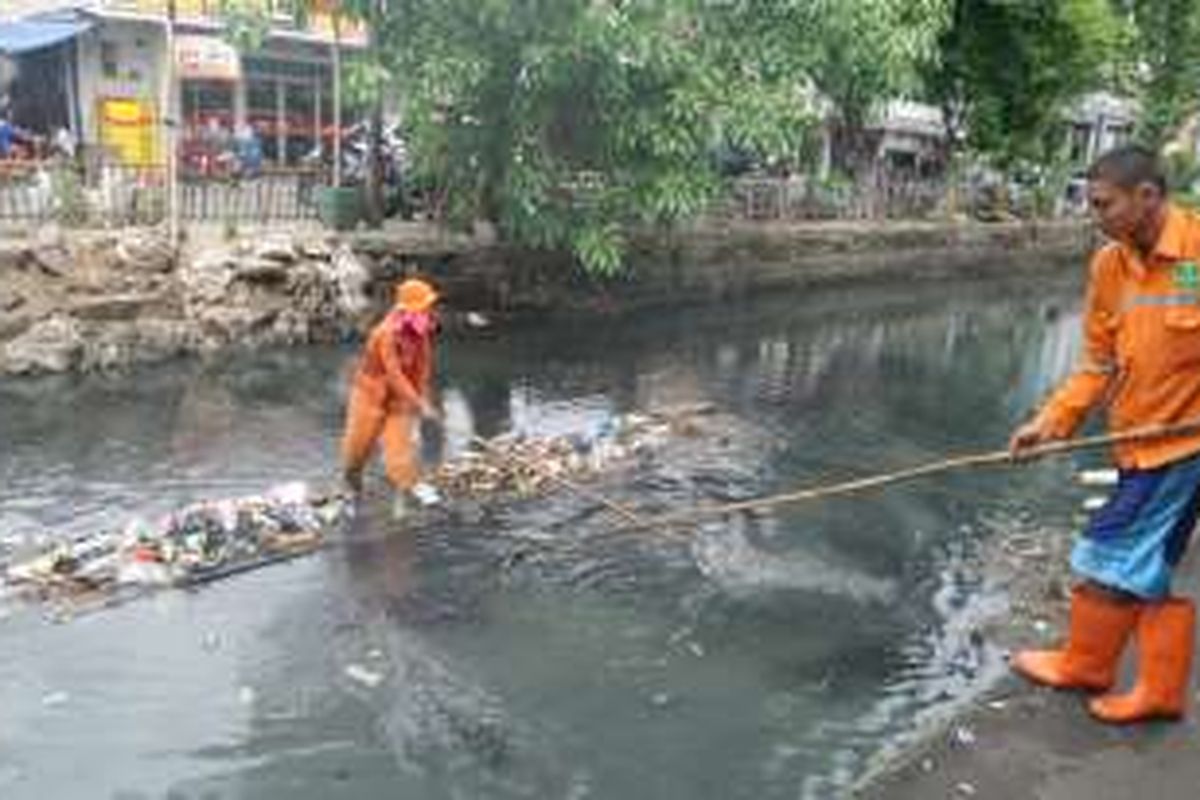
column 249, row 151
column 8, row 135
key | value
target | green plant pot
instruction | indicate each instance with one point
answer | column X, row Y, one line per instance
column 340, row 208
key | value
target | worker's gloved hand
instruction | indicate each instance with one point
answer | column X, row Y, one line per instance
column 352, row 476
column 1026, row 438
column 430, row 413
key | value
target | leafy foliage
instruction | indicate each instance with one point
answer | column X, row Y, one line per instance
column 567, row 122
column 1164, row 63
column 246, row 25
column 1004, row 71
column 866, row 52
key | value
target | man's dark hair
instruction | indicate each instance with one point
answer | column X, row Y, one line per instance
column 1129, row 166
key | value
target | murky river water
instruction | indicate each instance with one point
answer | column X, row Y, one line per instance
column 765, row 664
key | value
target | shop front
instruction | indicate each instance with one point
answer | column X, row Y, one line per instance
column 38, row 101
column 289, row 103
column 210, row 80
column 282, row 99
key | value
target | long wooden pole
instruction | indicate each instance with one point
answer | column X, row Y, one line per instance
column 994, row 458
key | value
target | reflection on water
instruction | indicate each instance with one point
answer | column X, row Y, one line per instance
column 758, row 657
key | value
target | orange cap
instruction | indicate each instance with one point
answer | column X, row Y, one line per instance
column 415, row 295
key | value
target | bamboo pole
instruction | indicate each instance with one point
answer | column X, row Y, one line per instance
column 994, row 458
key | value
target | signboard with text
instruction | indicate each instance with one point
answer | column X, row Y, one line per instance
column 207, row 58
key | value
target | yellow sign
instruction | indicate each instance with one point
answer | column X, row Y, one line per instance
column 207, row 58
column 127, row 130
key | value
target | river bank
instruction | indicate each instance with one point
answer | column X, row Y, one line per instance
column 94, row 301
column 1017, row 740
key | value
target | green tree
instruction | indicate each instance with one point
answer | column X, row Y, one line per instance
column 567, row 122
column 865, row 52
column 1004, row 71
column 1163, row 63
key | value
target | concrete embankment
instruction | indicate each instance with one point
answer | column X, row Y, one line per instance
column 83, row 301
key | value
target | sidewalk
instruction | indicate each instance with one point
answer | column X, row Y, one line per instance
column 1025, row 742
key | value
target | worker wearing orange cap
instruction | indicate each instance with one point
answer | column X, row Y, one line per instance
column 391, row 391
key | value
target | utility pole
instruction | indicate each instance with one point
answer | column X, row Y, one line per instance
column 336, row 18
column 374, row 185
column 168, row 117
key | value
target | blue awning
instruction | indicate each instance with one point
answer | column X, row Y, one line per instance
column 26, row 35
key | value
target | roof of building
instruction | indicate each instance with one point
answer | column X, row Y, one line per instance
column 916, row 119
column 1114, row 108
column 35, row 33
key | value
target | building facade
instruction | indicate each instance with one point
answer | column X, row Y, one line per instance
column 1099, row 122
column 133, row 66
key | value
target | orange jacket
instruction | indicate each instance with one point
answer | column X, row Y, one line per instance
column 1141, row 345
column 400, row 380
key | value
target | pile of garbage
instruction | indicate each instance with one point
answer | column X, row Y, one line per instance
column 197, row 543
column 527, row 466
column 214, row 539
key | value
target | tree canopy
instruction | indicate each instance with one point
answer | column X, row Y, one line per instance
column 1162, row 64
column 568, row 123
column 1005, row 72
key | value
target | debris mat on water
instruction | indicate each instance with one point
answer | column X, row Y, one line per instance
column 212, row 540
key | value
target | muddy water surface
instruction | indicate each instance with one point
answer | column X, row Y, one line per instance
column 760, row 657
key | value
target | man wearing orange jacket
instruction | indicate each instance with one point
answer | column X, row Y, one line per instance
column 1141, row 361
column 392, row 390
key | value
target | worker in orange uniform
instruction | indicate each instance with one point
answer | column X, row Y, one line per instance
column 392, row 390
column 1141, row 361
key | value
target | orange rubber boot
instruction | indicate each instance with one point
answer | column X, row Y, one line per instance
column 1166, row 638
column 1099, row 628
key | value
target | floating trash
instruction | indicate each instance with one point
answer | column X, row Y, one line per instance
column 526, row 466
column 1097, row 477
column 56, row 699
column 963, row 737
column 360, row 674
column 214, row 539
column 200, row 542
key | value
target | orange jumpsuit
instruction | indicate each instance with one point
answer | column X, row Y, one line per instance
column 391, row 385
column 1141, row 345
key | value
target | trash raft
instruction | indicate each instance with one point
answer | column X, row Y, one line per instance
column 210, row 540
column 514, row 465
column 194, row 545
